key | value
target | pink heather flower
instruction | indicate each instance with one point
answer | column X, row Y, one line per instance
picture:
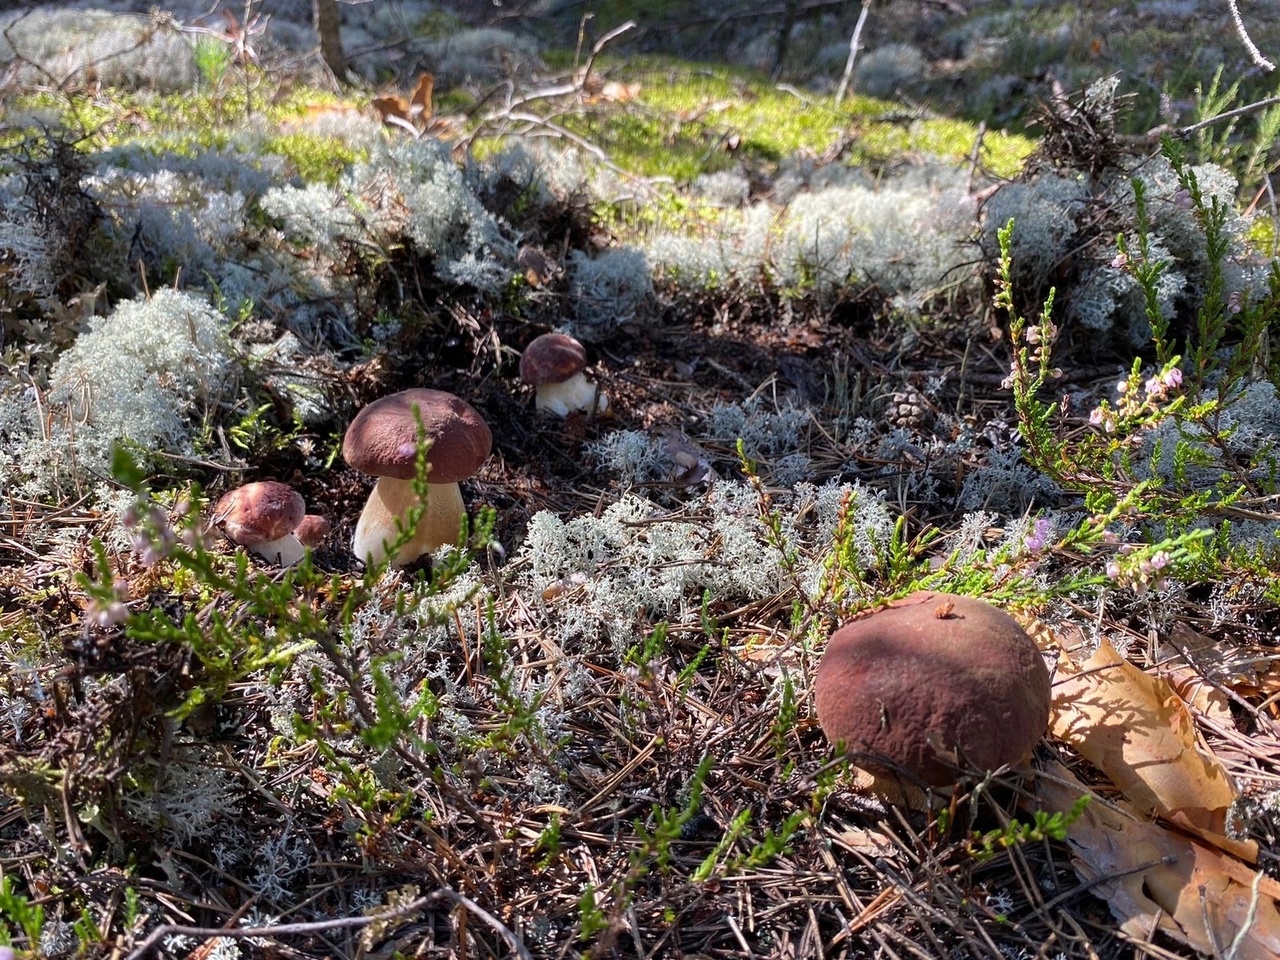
column 1113, row 571
column 1120, row 262
column 1234, row 302
column 1038, row 539
column 106, row 615
column 1173, row 378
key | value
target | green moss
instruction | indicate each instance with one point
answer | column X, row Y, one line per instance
column 316, row 158
column 688, row 119
column 189, row 123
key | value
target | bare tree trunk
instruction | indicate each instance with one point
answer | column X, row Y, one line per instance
column 784, row 37
column 325, row 15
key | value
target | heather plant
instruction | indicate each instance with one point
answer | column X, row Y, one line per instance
column 1160, row 455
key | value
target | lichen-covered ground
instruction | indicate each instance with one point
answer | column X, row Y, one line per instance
column 589, row 730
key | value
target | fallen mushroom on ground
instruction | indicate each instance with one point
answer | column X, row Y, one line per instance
column 553, row 364
column 382, row 441
column 931, row 686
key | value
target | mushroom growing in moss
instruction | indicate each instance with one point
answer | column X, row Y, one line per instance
column 553, row 364
column 382, row 441
column 930, row 684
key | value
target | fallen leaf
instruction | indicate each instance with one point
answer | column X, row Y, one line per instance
column 1154, row 878
column 1198, row 692
column 392, row 106
column 538, row 267
column 1136, row 730
column 414, row 113
column 420, row 100
column 619, row 92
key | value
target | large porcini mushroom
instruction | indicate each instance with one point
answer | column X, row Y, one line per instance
column 382, row 440
column 263, row 516
column 553, row 364
column 931, row 685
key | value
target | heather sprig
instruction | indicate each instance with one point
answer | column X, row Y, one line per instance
column 1031, row 369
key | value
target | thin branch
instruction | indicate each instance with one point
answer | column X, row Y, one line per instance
column 339, row 923
column 601, row 44
column 1228, row 115
column 854, row 41
column 1254, row 53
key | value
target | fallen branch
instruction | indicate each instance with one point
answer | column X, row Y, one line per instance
column 339, row 923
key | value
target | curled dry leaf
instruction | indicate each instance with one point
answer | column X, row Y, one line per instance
column 1136, row 729
column 1153, row 878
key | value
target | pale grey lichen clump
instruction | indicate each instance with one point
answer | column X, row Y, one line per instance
column 1044, row 213
column 603, row 582
column 607, row 290
column 410, row 189
column 114, row 49
column 909, row 241
column 190, row 799
column 142, row 374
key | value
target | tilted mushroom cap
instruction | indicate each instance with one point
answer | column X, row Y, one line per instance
column 259, row 512
column 933, row 676
column 312, row 530
column 382, row 440
column 552, row 358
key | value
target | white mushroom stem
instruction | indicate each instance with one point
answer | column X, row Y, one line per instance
column 391, row 501
column 286, row 551
column 576, row 393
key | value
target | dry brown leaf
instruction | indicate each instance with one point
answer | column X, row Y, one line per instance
column 392, row 106
column 414, row 113
column 1136, row 730
column 619, row 92
column 1231, row 662
column 1152, row 877
column 420, row 99
column 1198, row 692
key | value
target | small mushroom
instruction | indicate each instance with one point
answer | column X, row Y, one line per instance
column 263, row 516
column 553, row 365
column 382, row 441
column 930, row 684
column 313, row 530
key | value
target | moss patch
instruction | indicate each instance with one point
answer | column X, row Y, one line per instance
column 689, row 119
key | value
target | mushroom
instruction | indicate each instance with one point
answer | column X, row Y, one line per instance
column 263, row 517
column 312, row 530
column 382, row 440
column 553, row 364
column 932, row 683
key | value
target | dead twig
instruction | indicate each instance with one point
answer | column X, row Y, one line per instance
column 338, row 923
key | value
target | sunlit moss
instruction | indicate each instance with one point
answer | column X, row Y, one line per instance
column 688, row 119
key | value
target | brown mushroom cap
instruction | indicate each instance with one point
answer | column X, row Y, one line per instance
column 312, row 530
column 382, row 440
column 552, row 358
column 259, row 512
column 933, row 672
